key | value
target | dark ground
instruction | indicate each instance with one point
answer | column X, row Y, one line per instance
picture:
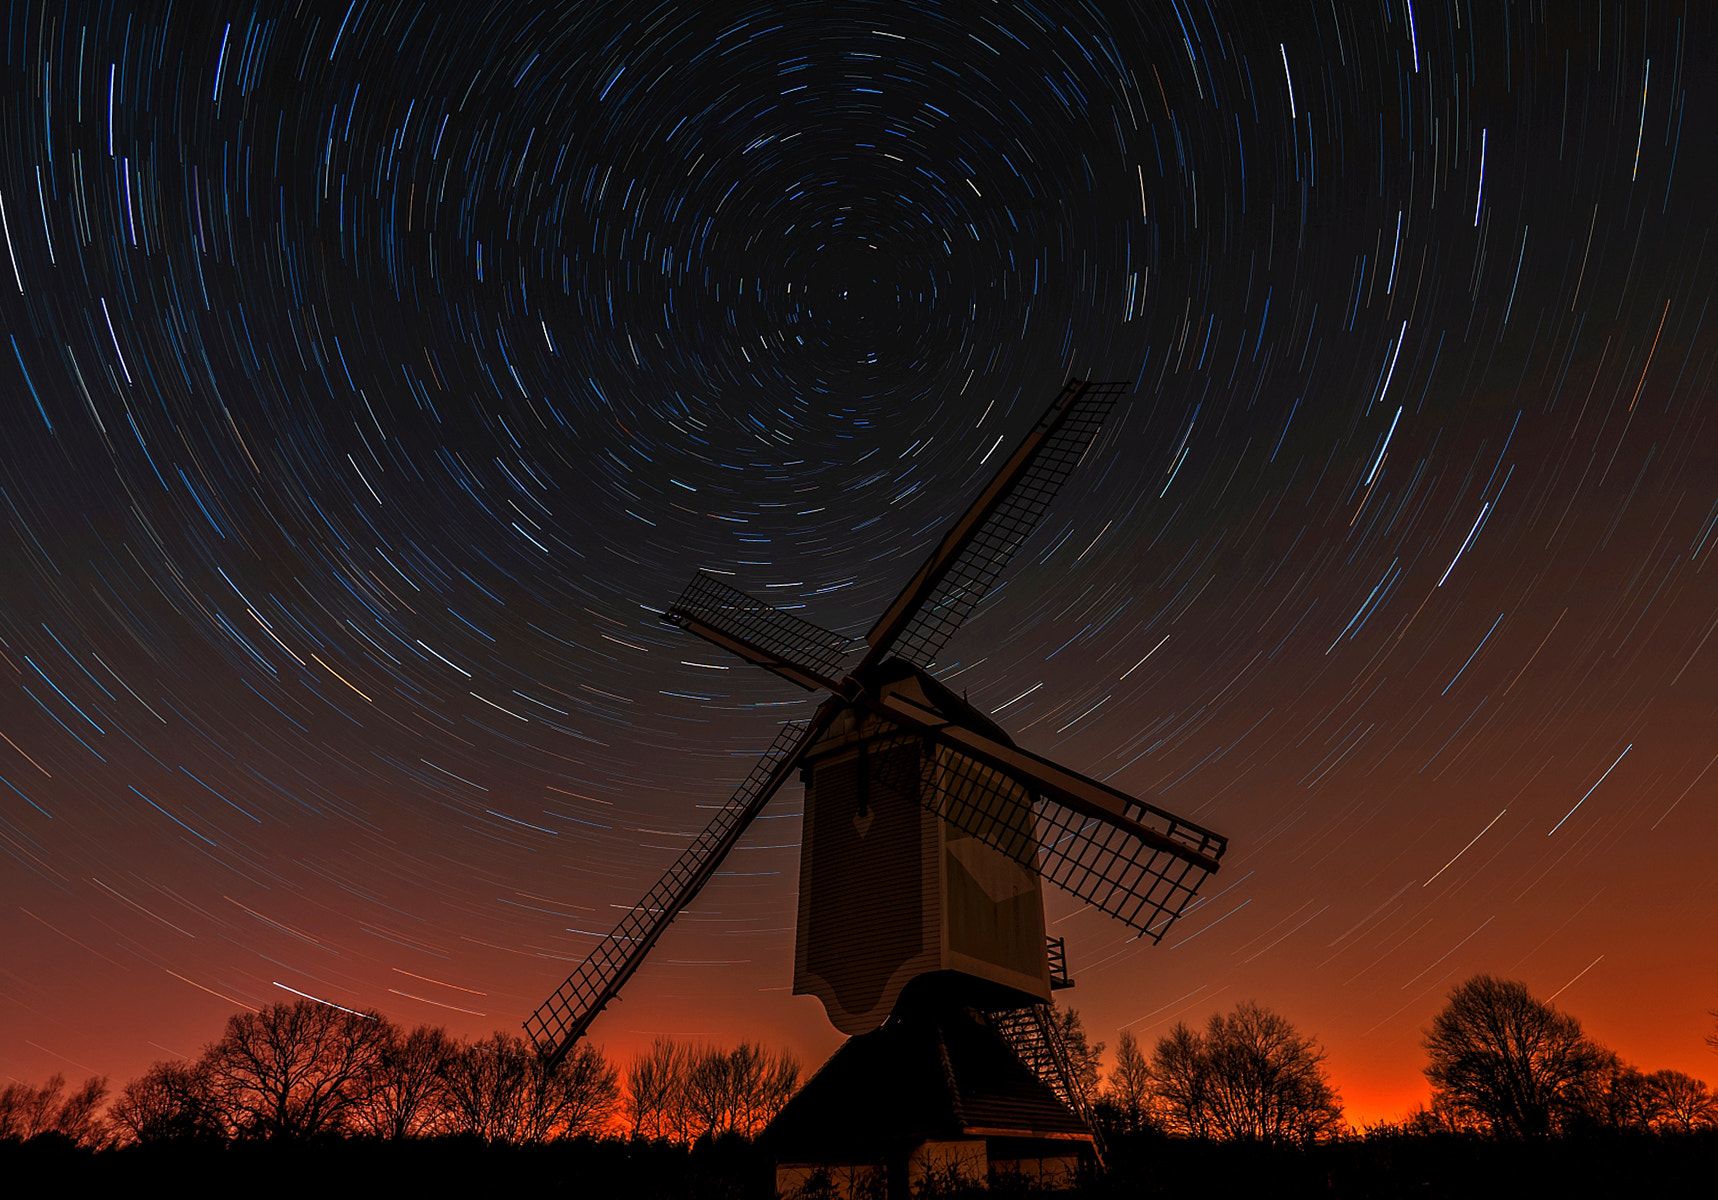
column 1377, row 1169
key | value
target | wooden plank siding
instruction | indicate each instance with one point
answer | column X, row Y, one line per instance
column 889, row 891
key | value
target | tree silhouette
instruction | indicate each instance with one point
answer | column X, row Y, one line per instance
column 1511, row 1064
column 1084, row 1057
column 762, row 1082
column 408, row 1094
column 28, row 1112
column 1181, row 1081
column 1126, row 1101
column 1617, row 1096
column 707, row 1094
column 734, row 1091
column 1681, row 1102
column 504, row 1090
column 80, row 1116
column 169, row 1102
column 1250, row 1075
column 295, row 1071
column 654, row 1083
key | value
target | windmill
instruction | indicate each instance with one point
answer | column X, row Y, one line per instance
column 927, row 831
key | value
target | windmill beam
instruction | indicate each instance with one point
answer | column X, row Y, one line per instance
column 914, row 595
column 1082, row 794
column 799, row 651
column 562, row 1019
column 793, row 672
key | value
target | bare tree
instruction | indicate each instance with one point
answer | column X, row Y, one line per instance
column 579, row 1095
column 485, row 1081
column 1250, row 1075
column 295, row 1070
column 1268, row 1081
column 766, row 1080
column 1511, row 1064
column 1626, row 1098
column 722, row 1091
column 654, row 1083
column 1181, row 1081
column 80, row 1117
column 760, row 1083
column 25, row 1110
column 1681, row 1102
column 1084, row 1057
column 408, row 1094
column 28, row 1112
column 170, row 1101
column 1712, row 1038
column 1127, row 1099
column 1615, row 1095
column 707, row 1096
column 504, row 1090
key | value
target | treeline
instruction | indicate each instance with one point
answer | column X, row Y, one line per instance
column 1503, row 1066
column 684, row 1093
column 307, row 1071
column 1504, row 1063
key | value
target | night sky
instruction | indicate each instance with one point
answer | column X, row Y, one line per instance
column 373, row 376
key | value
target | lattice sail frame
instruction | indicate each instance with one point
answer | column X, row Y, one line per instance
column 563, row 1018
column 988, row 549
column 1095, row 861
column 759, row 631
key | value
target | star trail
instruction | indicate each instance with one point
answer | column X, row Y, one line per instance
column 376, row 373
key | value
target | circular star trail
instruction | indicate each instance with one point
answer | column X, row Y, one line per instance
column 375, row 373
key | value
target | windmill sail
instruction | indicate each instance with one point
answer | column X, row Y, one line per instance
column 760, row 633
column 1110, row 862
column 563, row 1018
column 1133, row 860
column 966, row 564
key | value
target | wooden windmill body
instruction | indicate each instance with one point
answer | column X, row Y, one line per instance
column 927, row 836
column 889, row 890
